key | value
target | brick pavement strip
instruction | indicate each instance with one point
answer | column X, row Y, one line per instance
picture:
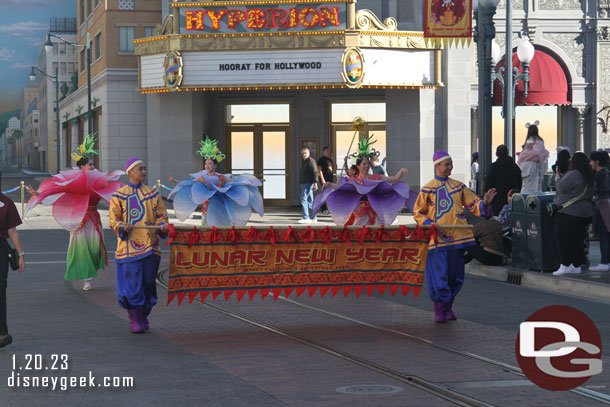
column 290, row 372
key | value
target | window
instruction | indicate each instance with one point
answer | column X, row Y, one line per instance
column 62, row 48
column 89, row 7
column 62, row 68
column 98, row 46
column 126, row 35
column 55, row 66
column 81, row 10
column 70, row 68
column 126, row 5
column 82, row 61
column 149, row 31
column 55, row 48
column 97, row 2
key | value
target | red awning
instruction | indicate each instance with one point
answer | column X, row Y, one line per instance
column 548, row 83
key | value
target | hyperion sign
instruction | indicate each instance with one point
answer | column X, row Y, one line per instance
column 242, row 17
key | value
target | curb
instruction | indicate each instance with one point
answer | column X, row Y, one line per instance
column 547, row 282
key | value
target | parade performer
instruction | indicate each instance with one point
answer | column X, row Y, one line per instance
column 362, row 198
column 225, row 200
column 442, row 202
column 138, row 253
column 75, row 195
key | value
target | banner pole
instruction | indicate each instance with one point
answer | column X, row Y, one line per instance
column 412, row 226
column 22, row 198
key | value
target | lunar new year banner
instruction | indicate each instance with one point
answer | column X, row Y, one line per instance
column 277, row 261
column 448, row 21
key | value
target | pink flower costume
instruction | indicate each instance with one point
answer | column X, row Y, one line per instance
column 74, row 195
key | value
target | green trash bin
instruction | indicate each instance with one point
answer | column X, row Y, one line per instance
column 518, row 221
column 541, row 249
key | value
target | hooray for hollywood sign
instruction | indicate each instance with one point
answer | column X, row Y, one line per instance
column 264, row 18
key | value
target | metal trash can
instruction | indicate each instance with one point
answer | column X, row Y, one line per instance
column 542, row 252
column 518, row 222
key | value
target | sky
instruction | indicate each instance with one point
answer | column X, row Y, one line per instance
column 23, row 24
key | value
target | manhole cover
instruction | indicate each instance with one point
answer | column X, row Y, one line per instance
column 369, row 389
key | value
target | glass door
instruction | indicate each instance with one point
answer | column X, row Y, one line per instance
column 262, row 150
column 344, row 140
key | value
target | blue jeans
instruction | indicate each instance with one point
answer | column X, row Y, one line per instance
column 307, row 200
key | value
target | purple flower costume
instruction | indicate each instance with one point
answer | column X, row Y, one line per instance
column 385, row 199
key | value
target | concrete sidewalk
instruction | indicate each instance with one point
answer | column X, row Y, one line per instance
column 589, row 284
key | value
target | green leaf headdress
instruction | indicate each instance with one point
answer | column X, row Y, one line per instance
column 86, row 149
column 209, row 149
column 364, row 148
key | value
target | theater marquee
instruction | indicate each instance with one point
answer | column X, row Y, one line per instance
column 261, row 17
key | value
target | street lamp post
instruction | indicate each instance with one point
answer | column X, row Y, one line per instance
column 56, row 79
column 509, row 78
column 484, row 12
column 48, row 46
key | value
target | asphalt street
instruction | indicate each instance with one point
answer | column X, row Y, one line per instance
column 50, row 316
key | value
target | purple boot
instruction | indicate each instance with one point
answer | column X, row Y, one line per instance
column 449, row 315
column 135, row 321
column 439, row 312
column 145, row 313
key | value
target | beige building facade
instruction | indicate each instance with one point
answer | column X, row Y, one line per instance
column 29, row 142
column 118, row 108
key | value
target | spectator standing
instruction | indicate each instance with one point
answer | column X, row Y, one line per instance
column 574, row 196
column 533, row 160
column 9, row 220
column 561, row 165
column 309, row 184
column 326, row 167
column 376, row 167
column 601, row 217
column 474, row 171
column 503, row 175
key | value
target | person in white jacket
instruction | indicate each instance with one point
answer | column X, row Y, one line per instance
column 533, row 160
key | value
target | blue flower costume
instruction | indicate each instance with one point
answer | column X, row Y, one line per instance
column 226, row 200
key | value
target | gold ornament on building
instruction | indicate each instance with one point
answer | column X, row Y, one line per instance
column 172, row 69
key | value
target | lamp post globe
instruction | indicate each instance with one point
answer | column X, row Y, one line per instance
column 488, row 3
column 32, row 75
column 48, row 46
column 526, row 51
column 496, row 52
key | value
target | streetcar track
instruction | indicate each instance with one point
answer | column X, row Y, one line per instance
column 430, row 387
column 601, row 397
column 439, row 391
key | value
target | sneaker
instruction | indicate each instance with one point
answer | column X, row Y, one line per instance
column 314, row 220
column 87, row 286
column 5, row 340
column 563, row 270
column 575, row 270
column 600, row 267
column 304, row 221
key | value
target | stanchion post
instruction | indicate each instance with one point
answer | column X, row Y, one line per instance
column 22, row 198
column 159, row 185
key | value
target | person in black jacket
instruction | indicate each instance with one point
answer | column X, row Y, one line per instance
column 601, row 218
column 503, row 175
column 309, row 183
